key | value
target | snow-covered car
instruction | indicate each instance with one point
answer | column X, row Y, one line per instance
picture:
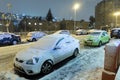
column 62, row 32
column 81, row 32
column 9, row 38
column 45, row 53
column 97, row 38
column 35, row 35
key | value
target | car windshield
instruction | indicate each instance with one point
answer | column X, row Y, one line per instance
column 95, row 33
column 45, row 43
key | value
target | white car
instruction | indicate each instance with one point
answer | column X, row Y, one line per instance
column 81, row 32
column 45, row 53
column 62, row 32
column 35, row 35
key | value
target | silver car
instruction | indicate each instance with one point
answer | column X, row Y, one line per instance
column 45, row 53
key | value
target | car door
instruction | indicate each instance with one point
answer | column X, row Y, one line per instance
column 103, row 37
column 69, row 46
column 60, row 52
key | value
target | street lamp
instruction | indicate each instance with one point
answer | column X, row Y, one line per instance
column 116, row 14
column 75, row 7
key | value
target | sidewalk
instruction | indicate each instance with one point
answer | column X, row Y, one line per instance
column 118, row 74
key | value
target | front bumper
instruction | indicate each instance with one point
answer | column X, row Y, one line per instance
column 27, row 69
column 91, row 43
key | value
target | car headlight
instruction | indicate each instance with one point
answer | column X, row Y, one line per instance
column 32, row 61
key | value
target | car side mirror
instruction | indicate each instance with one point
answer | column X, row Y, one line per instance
column 57, row 47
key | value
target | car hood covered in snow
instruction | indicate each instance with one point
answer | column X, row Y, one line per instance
column 30, row 53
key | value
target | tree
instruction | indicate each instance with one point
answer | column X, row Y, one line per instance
column 49, row 16
column 81, row 23
column 63, row 24
column 82, row 20
column 92, row 21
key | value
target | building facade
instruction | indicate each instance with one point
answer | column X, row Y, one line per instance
column 104, row 13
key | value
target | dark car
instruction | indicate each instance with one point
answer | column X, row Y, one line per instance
column 115, row 32
column 9, row 38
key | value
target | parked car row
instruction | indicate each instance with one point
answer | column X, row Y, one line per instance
column 11, row 38
column 52, row 49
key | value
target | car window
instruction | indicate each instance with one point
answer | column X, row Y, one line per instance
column 60, row 42
column 95, row 33
column 106, row 33
column 103, row 34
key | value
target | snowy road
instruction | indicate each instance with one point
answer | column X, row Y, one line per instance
column 87, row 66
column 7, row 54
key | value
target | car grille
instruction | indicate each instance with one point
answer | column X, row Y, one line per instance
column 20, row 69
column 21, row 61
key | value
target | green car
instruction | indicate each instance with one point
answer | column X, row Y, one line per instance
column 97, row 38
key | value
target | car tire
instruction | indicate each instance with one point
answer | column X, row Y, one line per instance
column 111, row 36
column 14, row 42
column 34, row 40
column 108, row 41
column 46, row 67
column 75, row 53
column 100, row 43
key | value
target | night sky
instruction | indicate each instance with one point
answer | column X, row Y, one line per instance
column 60, row 8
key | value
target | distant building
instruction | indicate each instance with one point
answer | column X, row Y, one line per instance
column 104, row 13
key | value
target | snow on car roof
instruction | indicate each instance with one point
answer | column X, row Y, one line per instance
column 47, row 42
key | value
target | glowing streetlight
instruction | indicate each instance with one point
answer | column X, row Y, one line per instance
column 75, row 7
column 116, row 14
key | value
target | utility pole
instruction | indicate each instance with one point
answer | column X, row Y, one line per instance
column 104, row 13
column 9, row 6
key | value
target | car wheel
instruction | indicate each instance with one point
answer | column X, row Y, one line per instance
column 100, row 43
column 14, row 42
column 46, row 68
column 34, row 40
column 75, row 53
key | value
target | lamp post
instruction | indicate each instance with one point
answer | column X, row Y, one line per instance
column 116, row 14
column 75, row 7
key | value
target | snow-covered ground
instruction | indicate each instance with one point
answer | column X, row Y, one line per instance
column 87, row 66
